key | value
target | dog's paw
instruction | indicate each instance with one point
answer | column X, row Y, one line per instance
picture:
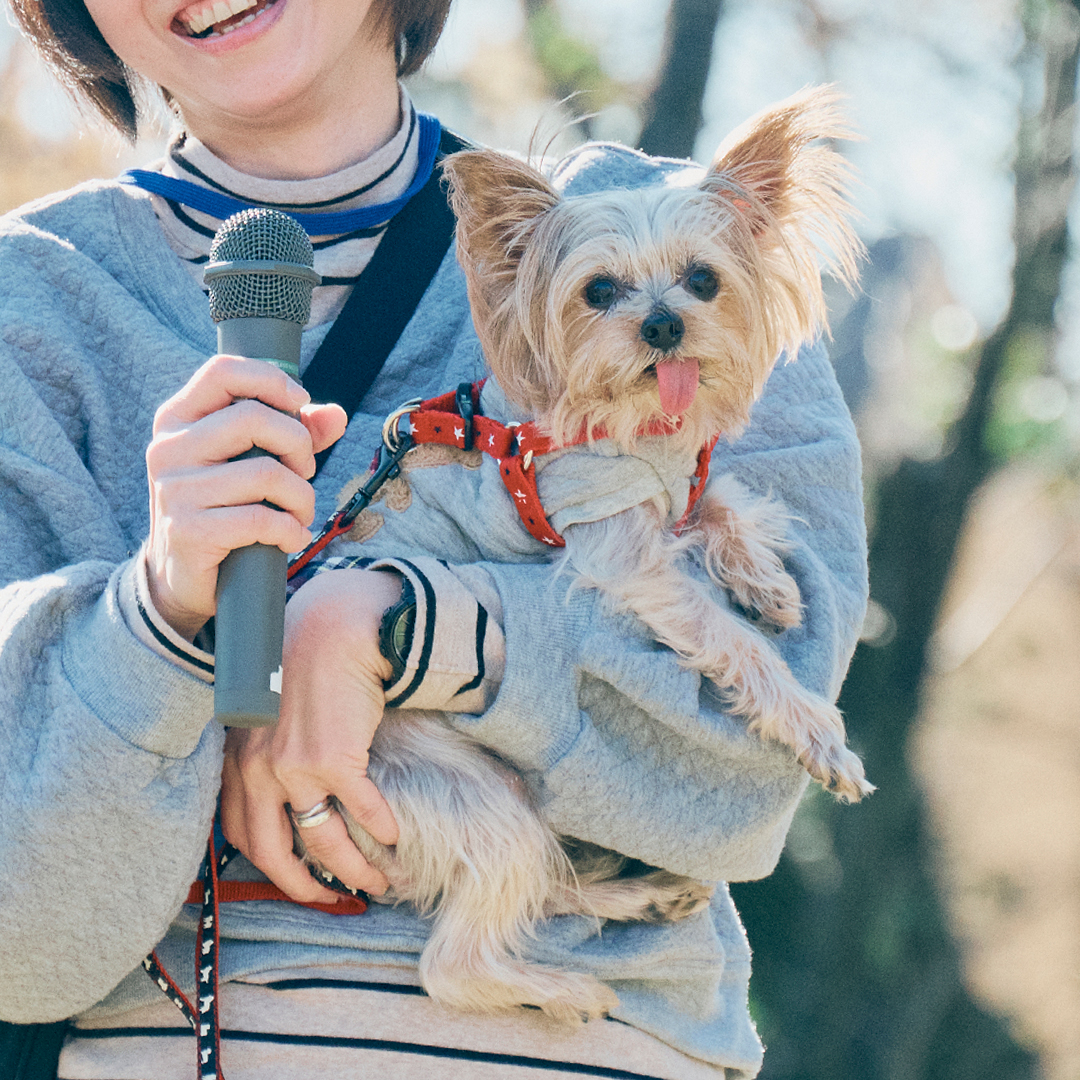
column 673, row 897
column 814, row 729
column 774, row 600
column 838, row 770
column 656, row 896
column 583, row 998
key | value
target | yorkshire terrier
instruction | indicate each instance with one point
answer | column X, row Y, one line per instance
column 611, row 315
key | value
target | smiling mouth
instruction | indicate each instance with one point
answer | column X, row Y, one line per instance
column 218, row 18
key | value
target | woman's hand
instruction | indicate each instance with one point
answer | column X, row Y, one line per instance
column 203, row 504
column 331, row 703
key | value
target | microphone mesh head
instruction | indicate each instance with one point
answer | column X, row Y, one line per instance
column 263, row 235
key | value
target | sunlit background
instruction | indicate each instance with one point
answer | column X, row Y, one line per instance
column 933, row 932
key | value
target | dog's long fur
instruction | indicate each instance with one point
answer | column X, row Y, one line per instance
column 472, row 848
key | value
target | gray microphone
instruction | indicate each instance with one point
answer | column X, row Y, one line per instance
column 260, row 276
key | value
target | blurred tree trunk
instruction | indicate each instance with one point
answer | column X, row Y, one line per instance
column 856, row 978
column 673, row 111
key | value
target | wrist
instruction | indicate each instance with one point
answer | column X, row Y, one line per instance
column 186, row 624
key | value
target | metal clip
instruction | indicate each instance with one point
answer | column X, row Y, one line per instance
column 391, row 437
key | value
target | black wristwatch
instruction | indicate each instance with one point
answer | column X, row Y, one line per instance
column 396, row 631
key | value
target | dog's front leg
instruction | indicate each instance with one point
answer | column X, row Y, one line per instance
column 742, row 537
column 633, row 560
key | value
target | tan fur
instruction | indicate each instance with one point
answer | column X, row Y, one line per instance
column 473, row 851
column 768, row 209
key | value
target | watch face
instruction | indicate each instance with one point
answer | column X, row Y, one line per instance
column 401, row 635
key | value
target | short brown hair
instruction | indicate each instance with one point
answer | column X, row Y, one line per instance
column 79, row 56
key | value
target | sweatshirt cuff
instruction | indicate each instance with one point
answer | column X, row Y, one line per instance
column 150, row 704
column 152, row 630
column 456, row 658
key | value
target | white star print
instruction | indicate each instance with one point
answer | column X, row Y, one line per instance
column 459, row 433
column 547, row 541
column 520, row 495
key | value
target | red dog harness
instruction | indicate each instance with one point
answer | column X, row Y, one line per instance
column 454, row 419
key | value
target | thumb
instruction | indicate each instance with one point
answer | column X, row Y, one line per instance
column 325, row 423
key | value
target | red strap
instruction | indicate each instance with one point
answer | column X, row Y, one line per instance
column 701, row 478
column 511, row 445
column 521, row 486
column 234, row 891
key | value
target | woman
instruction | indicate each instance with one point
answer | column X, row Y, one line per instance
column 113, row 765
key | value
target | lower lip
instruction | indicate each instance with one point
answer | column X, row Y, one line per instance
column 241, row 36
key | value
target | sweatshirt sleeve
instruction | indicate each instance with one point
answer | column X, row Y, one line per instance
column 109, row 767
column 624, row 747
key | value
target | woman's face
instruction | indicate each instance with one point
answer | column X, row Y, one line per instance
column 252, row 65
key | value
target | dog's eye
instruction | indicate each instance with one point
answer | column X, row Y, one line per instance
column 701, row 281
column 600, row 293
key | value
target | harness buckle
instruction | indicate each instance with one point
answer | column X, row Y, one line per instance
column 463, row 400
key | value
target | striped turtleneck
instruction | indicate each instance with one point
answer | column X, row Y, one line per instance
column 338, row 259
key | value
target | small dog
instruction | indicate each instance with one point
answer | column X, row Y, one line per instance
column 609, row 314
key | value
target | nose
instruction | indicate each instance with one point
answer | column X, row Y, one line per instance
column 662, row 330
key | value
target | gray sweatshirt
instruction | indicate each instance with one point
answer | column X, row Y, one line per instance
column 110, row 760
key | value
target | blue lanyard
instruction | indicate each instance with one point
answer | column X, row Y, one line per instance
column 221, row 206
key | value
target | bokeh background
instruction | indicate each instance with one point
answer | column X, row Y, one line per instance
column 932, row 932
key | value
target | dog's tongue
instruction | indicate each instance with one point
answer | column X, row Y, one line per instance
column 677, row 381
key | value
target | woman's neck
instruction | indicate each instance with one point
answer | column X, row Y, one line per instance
column 306, row 142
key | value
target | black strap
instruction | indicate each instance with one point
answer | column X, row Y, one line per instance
column 30, row 1051
column 385, row 296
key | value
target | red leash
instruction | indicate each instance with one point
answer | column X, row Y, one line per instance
column 208, row 892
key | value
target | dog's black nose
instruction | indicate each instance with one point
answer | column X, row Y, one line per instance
column 663, row 330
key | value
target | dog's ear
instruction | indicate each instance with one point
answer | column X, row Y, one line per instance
column 787, row 186
column 498, row 201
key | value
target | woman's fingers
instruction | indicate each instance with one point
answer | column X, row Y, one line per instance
column 230, row 432
column 330, row 845
column 225, row 379
column 235, row 484
column 204, row 502
column 325, row 423
column 368, row 808
column 254, row 820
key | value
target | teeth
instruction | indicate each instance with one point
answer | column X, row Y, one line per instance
column 204, row 17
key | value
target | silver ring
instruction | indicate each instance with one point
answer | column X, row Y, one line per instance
column 390, row 437
column 320, row 813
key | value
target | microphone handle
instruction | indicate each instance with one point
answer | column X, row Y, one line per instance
column 249, row 626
